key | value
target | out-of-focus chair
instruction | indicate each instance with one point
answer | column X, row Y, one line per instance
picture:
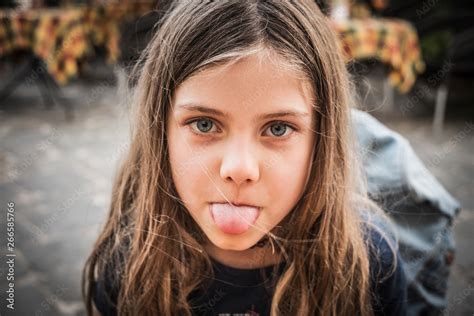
column 454, row 18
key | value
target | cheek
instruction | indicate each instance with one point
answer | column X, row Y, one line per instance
column 287, row 174
column 189, row 172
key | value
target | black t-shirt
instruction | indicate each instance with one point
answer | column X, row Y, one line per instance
column 244, row 291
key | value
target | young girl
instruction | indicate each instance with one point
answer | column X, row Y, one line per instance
column 239, row 195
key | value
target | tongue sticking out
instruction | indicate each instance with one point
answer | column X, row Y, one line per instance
column 233, row 219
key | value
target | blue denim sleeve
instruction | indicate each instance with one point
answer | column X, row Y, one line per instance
column 388, row 280
column 422, row 210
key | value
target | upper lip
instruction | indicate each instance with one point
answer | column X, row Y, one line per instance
column 238, row 203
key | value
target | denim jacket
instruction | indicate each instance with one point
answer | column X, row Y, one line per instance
column 421, row 209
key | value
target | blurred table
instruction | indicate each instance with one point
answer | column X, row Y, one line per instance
column 393, row 42
column 63, row 38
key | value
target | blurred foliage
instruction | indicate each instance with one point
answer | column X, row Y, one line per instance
column 435, row 46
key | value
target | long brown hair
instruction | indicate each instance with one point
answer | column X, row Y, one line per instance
column 151, row 239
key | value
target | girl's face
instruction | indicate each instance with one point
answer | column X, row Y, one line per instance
column 241, row 133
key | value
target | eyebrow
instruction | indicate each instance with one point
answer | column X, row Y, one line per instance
column 205, row 109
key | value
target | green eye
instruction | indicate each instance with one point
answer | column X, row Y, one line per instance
column 279, row 129
column 203, row 125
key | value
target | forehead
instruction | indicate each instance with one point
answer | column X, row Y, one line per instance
column 255, row 82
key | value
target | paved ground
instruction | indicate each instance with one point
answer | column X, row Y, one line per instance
column 59, row 174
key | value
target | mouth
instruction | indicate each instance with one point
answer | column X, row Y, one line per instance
column 234, row 219
column 237, row 204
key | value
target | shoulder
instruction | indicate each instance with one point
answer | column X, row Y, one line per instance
column 387, row 275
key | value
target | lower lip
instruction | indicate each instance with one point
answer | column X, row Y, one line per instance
column 235, row 227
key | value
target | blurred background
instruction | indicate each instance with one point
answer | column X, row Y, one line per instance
column 64, row 118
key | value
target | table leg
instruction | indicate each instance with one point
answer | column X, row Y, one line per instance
column 16, row 79
column 389, row 95
column 51, row 92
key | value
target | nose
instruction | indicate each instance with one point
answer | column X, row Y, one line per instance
column 239, row 163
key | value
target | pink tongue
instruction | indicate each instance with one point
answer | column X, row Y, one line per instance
column 233, row 220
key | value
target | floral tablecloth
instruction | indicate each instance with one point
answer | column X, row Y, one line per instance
column 393, row 42
column 62, row 38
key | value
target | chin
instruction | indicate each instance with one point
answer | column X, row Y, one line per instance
column 236, row 245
